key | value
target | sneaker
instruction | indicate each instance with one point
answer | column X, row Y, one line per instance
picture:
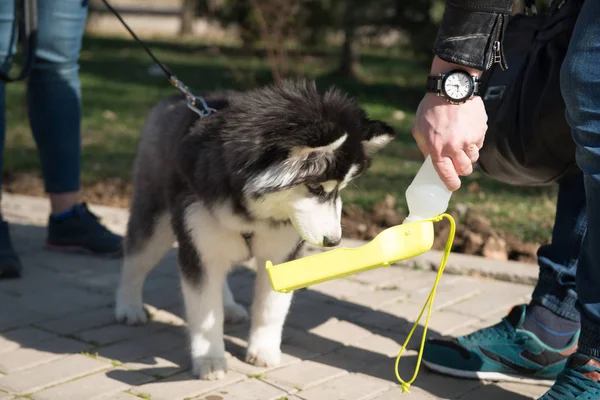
column 580, row 380
column 81, row 232
column 10, row 265
column 502, row 352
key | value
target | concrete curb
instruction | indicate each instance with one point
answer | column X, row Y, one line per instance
column 18, row 208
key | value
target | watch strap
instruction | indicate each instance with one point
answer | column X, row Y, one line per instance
column 434, row 84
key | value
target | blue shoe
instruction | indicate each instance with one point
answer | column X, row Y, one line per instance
column 502, row 352
column 80, row 231
column 579, row 381
column 10, row 265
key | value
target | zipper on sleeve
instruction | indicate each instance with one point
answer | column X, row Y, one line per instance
column 497, row 56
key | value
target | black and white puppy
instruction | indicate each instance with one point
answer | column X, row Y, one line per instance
column 256, row 179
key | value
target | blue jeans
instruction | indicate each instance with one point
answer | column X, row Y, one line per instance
column 53, row 88
column 569, row 281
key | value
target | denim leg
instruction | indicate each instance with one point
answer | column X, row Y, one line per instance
column 8, row 38
column 556, row 288
column 580, row 85
column 54, row 93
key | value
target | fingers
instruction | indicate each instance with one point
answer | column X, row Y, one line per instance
column 462, row 163
column 472, row 151
column 447, row 172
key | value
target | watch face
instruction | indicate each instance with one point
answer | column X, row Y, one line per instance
column 458, row 85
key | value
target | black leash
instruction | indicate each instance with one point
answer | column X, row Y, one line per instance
column 28, row 26
column 191, row 99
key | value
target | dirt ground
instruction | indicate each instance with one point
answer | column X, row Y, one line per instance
column 474, row 233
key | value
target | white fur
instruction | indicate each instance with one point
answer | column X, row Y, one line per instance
column 376, row 143
column 129, row 306
column 269, row 308
column 219, row 248
column 285, row 173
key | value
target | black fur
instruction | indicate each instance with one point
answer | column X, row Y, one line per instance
column 260, row 128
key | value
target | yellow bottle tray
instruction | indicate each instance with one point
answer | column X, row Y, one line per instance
column 394, row 244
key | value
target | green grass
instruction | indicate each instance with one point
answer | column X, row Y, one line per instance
column 118, row 92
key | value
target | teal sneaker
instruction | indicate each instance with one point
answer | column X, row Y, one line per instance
column 502, row 352
column 579, row 381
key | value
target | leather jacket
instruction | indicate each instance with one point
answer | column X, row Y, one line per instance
column 471, row 32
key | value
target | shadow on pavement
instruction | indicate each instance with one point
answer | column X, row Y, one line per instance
column 63, row 305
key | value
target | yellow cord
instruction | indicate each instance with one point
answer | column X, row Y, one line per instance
column 406, row 385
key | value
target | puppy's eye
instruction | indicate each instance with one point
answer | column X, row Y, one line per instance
column 315, row 189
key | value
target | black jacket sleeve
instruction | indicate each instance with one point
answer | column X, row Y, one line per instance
column 471, row 32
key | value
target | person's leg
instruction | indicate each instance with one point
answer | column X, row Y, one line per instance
column 10, row 266
column 496, row 352
column 54, row 107
column 580, row 86
column 552, row 315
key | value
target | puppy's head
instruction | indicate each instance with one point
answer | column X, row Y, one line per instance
column 312, row 145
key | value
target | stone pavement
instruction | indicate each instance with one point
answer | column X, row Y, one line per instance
column 59, row 340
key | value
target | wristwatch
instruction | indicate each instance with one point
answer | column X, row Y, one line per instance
column 456, row 86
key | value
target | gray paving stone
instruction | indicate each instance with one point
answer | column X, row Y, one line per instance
column 303, row 375
column 121, row 396
column 163, row 364
column 117, row 332
column 448, row 292
column 101, row 385
column 34, row 279
column 495, row 392
column 6, row 396
column 52, row 373
column 26, row 337
column 63, row 301
column 250, row 389
column 343, row 332
column 382, row 343
column 289, row 355
column 396, row 393
column 140, row 346
column 437, row 385
column 14, row 314
column 184, row 385
column 534, row 391
column 341, row 288
column 399, row 278
column 310, row 313
column 80, row 321
column 496, row 296
column 302, row 339
column 348, row 387
column 43, row 352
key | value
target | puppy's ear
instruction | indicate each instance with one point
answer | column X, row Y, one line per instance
column 305, row 153
column 377, row 134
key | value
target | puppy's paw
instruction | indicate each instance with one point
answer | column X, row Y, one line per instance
column 129, row 311
column 209, row 368
column 235, row 314
column 263, row 356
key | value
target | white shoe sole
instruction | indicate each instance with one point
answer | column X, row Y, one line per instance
column 487, row 376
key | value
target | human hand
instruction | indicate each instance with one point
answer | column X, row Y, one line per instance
column 451, row 134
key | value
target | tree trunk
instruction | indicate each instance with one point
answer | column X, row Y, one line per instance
column 188, row 14
column 349, row 56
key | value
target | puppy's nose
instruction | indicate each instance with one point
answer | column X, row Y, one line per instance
column 330, row 242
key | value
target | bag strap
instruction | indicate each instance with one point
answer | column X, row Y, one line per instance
column 28, row 25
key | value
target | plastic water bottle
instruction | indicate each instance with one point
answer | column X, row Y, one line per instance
column 427, row 196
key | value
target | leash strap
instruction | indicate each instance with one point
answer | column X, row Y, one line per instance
column 192, row 100
column 29, row 26
column 429, row 301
